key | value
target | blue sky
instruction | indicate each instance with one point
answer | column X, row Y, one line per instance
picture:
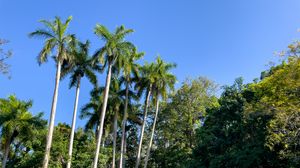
column 221, row 40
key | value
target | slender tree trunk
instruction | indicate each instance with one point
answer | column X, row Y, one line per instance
column 138, row 158
column 115, row 138
column 152, row 133
column 52, row 117
column 6, row 152
column 73, row 124
column 102, row 116
column 123, row 126
column 125, row 150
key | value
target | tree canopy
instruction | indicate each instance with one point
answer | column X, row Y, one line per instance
column 141, row 117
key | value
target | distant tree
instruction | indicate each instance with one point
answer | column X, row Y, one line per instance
column 220, row 137
column 256, row 124
column 4, row 55
column 181, row 114
column 278, row 95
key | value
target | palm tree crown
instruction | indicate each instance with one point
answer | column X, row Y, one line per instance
column 80, row 65
column 129, row 64
column 164, row 80
column 115, row 46
column 56, row 38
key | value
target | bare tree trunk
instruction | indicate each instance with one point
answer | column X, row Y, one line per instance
column 52, row 117
column 73, row 124
column 6, row 152
column 123, row 126
column 152, row 133
column 125, row 150
column 102, row 116
column 115, row 138
column 138, row 158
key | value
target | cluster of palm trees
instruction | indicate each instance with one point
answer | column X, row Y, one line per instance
column 125, row 80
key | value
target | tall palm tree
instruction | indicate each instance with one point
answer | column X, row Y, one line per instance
column 17, row 122
column 81, row 65
column 56, row 38
column 163, row 83
column 110, row 55
column 145, row 84
column 129, row 68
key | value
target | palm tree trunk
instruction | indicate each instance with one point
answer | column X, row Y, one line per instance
column 52, row 117
column 152, row 133
column 138, row 158
column 6, row 152
column 102, row 116
column 73, row 124
column 115, row 139
column 125, row 149
column 123, row 126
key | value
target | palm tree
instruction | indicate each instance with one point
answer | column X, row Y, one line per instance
column 110, row 55
column 17, row 122
column 90, row 111
column 115, row 104
column 164, row 81
column 81, row 65
column 56, row 39
column 116, row 100
column 145, row 84
column 129, row 68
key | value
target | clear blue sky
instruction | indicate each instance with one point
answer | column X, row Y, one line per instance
column 221, row 40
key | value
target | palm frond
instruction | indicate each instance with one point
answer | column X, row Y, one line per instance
column 47, row 49
column 66, row 24
column 41, row 33
column 74, row 78
column 99, row 55
column 91, row 76
column 121, row 32
column 102, row 32
column 48, row 24
column 59, row 25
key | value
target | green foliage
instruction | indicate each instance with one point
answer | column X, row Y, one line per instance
column 223, row 140
column 278, row 95
column 18, row 127
column 181, row 114
column 83, row 152
column 256, row 125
